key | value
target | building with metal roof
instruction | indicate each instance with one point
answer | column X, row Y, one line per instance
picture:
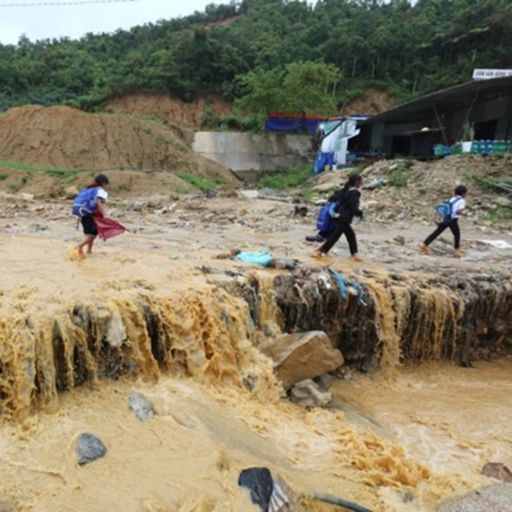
column 443, row 117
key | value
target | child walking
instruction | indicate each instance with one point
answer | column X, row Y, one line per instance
column 348, row 199
column 457, row 203
column 91, row 207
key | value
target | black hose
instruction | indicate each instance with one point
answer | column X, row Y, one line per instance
column 327, row 498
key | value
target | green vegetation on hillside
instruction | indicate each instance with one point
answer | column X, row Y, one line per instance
column 269, row 54
column 280, row 180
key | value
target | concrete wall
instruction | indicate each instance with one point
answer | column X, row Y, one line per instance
column 242, row 151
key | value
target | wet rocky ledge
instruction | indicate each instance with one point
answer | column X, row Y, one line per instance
column 374, row 318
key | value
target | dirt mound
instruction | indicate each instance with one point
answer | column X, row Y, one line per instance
column 405, row 190
column 372, row 101
column 413, row 188
column 166, row 107
column 68, row 139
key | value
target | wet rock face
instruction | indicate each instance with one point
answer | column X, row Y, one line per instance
column 89, row 448
column 377, row 318
column 302, row 356
column 373, row 319
column 314, row 299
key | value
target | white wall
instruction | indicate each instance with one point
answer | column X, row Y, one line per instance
column 243, row 151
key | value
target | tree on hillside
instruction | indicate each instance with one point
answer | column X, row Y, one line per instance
column 404, row 47
column 260, row 91
column 310, row 87
column 299, row 87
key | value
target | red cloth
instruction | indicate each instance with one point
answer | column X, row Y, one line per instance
column 108, row 228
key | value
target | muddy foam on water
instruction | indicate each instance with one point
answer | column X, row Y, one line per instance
column 377, row 445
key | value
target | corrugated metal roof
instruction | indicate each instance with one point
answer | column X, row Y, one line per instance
column 453, row 98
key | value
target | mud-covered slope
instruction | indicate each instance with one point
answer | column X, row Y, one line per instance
column 63, row 137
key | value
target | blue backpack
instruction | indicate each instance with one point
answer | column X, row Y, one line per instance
column 325, row 220
column 443, row 212
column 85, row 202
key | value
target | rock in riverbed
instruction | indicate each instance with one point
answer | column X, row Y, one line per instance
column 141, row 406
column 89, row 448
column 308, row 394
column 302, row 356
column 497, row 470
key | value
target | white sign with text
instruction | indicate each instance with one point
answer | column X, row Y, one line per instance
column 486, row 74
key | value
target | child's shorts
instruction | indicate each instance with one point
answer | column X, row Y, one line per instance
column 89, row 225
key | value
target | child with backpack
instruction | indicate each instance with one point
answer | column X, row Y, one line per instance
column 325, row 222
column 88, row 204
column 447, row 216
column 347, row 200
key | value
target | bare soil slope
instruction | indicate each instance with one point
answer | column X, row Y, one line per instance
column 179, row 112
column 373, row 101
column 63, row 137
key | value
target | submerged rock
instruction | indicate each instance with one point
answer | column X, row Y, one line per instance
column 497, row 470
column 89, row 448
column 302, row 356
column 270, row 493
column 141, row 406
column 325, row 381
column 308, row 394
column 284, row 263
column 494, row 498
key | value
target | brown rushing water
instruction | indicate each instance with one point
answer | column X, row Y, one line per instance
column 426, row 430
column 452, row 419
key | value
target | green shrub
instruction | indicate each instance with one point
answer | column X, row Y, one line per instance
column 400, row 176
column 502, row 214
column 202, row 184
column 288, row 178
column 491, row 184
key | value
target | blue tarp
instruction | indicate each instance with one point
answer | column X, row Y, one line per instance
column 342, row 284
column 285, row 124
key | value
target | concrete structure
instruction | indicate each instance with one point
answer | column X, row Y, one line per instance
column 485, row 105
column 244, row 152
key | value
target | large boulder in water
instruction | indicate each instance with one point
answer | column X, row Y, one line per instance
column 301, row 356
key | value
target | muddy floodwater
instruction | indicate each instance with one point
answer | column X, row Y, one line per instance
column 166, row 310
column 390, row 444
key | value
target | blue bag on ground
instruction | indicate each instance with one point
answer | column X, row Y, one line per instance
column 85, row 202
column 256, row 258
column 325, row 220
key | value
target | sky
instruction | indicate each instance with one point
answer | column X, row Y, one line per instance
column 74, row 21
